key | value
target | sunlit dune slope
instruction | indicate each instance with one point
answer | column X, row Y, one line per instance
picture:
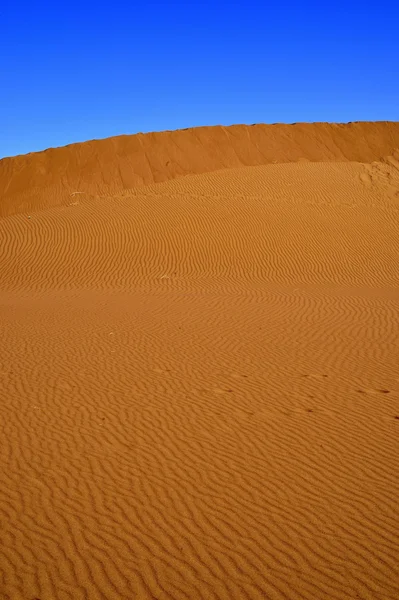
column 289, row 223
column 111, row 165
column 199, row 383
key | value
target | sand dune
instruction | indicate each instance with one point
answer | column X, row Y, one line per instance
column 199, row 377
column 100, row 167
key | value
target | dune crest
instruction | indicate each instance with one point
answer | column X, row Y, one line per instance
column 109, row 166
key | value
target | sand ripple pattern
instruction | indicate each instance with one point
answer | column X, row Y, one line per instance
column 291, row 223
column 199, row 390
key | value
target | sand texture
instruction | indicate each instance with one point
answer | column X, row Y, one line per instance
column 107, row 167
column 199, row 366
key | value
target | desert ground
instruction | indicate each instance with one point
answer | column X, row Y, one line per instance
column 199, row 366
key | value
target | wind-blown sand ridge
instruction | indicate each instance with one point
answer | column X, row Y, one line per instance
column 104, row 167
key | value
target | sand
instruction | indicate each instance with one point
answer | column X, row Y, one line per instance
column 199, row 366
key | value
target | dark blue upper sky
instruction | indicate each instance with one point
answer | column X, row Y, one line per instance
column 73, row 71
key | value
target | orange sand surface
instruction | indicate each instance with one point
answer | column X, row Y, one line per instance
column 199, row 366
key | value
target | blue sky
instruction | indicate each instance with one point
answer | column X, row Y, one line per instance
column 73, row 71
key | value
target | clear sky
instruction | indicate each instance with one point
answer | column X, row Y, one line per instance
column 72, row 71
